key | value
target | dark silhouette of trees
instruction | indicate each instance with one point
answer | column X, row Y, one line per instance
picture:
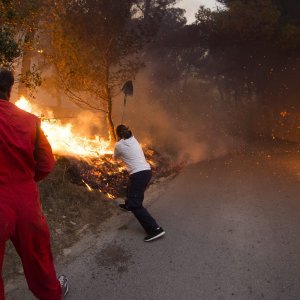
column 253, row 49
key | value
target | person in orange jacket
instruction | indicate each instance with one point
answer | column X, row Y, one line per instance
column 25, row 158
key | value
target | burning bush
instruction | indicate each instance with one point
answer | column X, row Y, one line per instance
column 88, row 161
column 110, row 177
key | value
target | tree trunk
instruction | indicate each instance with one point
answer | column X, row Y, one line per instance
column 26, row 66
column 109, row 121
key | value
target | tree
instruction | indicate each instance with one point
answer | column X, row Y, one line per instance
column 29, row 13
column 170, row 57
column 253, row 48
column 97, row 45
column 91, row 47
column 17, row 26
column 9, row 48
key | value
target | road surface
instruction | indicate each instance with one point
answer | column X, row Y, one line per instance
column 232, row 232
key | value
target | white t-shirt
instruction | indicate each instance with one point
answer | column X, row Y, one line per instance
column 131, row 152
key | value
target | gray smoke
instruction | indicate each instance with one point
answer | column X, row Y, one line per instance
column 184, row 119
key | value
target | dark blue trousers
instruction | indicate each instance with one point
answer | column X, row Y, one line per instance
column 136, row 186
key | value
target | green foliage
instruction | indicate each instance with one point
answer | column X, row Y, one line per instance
column 9, row 49
column 31, row 79
column 18, row 22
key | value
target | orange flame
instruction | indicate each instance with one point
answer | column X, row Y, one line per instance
column 283, row 114
column 62, row 138
column 87, row 186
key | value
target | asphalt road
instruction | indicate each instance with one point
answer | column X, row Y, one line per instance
column 232, row 232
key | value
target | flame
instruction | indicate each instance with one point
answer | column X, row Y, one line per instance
column 283, row 114
column 61, row 136
column 152, row 163
column 121, row 168
column 97, row 171
column 88, row 187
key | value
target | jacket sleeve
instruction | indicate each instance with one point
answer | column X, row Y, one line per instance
column 44, row 158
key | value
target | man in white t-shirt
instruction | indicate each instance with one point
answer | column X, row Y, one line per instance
column 130, row 151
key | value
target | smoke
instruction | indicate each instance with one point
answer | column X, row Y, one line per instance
column 186, row 120
column 89, row 123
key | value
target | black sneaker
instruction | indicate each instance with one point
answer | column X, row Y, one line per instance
column 124, row 207
column 155, row 235
column 63, row 284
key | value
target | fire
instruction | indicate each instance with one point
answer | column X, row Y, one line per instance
column 88, row 187
column 61, row 136
column 121, row 168
column 283, row 114
column 97, row 171
column 152, row 163
column 110, row 196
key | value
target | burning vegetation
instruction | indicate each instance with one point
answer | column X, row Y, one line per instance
column 88, row 160
column 61, row 136
column 110, row 177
